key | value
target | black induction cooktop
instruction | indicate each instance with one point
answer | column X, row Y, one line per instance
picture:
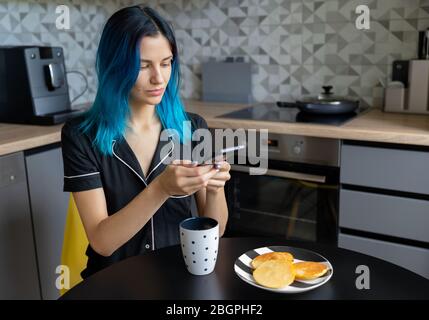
column 271, row 112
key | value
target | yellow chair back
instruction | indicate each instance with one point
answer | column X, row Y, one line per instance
column 74, row 245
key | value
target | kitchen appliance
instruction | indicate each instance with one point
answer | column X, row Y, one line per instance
column 411, row 98
column 291, row 113
column 228, row 81
column 297, row 198
column 325, row 103
column 423, row 44
column 34, row 87
column 400, row 71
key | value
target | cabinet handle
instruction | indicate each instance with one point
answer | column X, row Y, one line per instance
column 284, row 174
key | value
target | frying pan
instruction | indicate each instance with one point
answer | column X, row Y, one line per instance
column 324, row 103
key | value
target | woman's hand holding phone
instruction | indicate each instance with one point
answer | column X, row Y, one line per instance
column 183, row 177
column 217, row 182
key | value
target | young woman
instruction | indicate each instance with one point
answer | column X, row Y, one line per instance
column 129, row 200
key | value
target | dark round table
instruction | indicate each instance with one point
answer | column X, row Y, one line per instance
column 162, row 275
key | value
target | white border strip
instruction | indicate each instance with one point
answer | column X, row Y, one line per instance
column 82, row 175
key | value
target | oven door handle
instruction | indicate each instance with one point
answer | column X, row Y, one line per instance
column 284, row 174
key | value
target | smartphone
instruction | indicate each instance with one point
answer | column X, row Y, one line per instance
column 220, row 156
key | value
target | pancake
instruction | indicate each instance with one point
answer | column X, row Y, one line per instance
column 256, row 262
column 274, row 273
column 308, row 270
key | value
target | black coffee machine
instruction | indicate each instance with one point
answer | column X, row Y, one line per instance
column 33, row 86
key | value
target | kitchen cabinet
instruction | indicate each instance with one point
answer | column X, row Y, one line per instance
column 33, row 211
column 384, row 203
column 389, row 215
column 413, row 258
column 386, row 167
column 18, row 267
column 49, row 208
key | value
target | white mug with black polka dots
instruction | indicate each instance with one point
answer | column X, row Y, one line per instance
column 199, row 240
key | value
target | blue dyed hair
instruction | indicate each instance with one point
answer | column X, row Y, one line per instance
column 118, row 66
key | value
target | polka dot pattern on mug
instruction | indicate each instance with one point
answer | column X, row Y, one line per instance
column 199, row 248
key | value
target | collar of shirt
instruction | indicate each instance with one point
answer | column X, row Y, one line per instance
column 123, row 152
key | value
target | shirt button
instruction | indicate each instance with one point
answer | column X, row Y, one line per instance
column 147, row 246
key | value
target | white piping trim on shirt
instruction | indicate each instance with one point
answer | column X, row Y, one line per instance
column 172, row 148
column 153, row 233
column 113, row 151
column 82, row 175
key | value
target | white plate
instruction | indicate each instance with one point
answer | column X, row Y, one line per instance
column 243, row 269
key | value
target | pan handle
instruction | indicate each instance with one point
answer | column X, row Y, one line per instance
column 283, row 104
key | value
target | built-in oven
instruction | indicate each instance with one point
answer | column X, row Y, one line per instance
column 298, row 196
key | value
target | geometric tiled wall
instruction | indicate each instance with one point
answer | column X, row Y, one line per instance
column 296, row 46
